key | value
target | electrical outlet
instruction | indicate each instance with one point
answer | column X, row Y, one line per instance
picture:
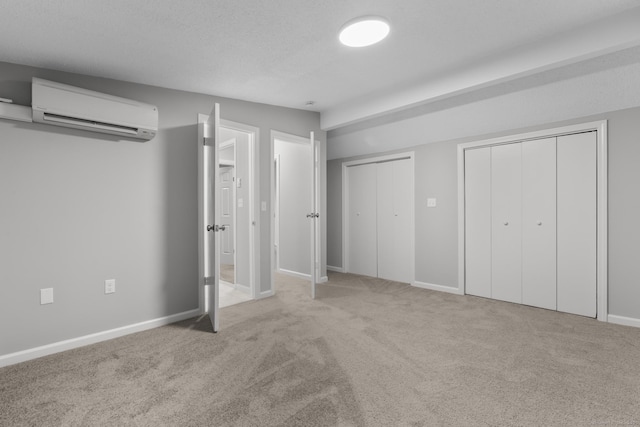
column 431, row 202
column 46, row 296
column 109, row 286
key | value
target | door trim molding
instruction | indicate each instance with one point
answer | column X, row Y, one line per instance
column 345, row 204
column 601, row 164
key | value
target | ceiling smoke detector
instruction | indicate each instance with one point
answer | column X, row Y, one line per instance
column 364, row 31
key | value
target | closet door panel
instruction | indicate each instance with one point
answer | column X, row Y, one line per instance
column 539, row 223
column 402, row 220
column 506, row 222
column 362, row 220
column 577, row 224
column 477, row 205
column 385, row 223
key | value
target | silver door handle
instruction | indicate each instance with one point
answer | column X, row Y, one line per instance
column 216, row 227
column 539, row 222
column 210, row 228
column 313, row 215
column 506, row 223
column 222, row 228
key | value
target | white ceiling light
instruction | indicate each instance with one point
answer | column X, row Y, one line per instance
column 364, row 31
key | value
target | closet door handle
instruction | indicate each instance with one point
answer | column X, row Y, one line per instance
column 506, row 223
column 539, row 223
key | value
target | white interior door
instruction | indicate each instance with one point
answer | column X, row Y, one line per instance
column 477, row 193
column 577, row 200
column 506, row 222
column 362, row 211
column 212, row 213
column 539, row 223
column 313, row 216
column 227, row 196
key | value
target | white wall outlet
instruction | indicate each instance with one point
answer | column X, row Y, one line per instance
column 431, row 202
column 46, row 296
column 109, row 286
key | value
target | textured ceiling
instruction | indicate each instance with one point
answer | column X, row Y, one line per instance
column 285, row 52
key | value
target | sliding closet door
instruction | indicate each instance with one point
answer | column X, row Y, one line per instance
column 577, row 224
column 362, row 236
column 506, row 222
column 539, row 223
column 394, row 220
column 477, row 205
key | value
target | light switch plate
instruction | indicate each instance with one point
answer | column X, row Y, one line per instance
column 109, row 286
column 431, row 202
column 46, row 296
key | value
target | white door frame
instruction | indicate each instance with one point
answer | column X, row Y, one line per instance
column 283, row 136
column 602, row 235
column 254, row 231
column 345, row 205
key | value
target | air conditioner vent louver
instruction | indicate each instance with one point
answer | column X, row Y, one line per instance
column 69, row 106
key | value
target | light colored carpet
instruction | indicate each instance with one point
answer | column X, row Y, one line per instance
column 367, row 352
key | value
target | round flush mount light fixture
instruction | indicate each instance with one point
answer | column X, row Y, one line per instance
column 364, row 31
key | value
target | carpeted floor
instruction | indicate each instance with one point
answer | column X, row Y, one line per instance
column 366, row 352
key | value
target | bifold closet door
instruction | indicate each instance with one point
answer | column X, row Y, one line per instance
column 394, row 220
column 362, row 234
column 577, row 223
column 477, row 203
column 539, row 223
column 506, row 222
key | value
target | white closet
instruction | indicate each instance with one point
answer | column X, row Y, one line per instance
column 380, row 201
column 530, row 222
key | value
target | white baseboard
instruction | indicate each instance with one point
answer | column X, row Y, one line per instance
column 266, row 294
column 45, row 350
column 621, row 320
column 336, row 269
column 433, row 287
column 295, row 274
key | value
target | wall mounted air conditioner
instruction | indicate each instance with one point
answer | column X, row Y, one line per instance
column 63, row 105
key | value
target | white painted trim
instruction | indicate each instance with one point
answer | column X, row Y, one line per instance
column 621, row 320
column 45, row 350
column 266, row 294
column 602, row 234
column 202, row 120
column 439, row 288
column 345, row 204
column 323, row 279
column 295, row 274
column 336, row 269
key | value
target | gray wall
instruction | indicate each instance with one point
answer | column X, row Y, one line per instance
column 78, row 208
column 294, row 203
column 436, row 228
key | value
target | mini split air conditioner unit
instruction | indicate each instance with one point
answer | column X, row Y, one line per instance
column 63, row 105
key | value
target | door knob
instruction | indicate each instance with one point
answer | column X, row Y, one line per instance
column 222, row 228
column 506, row 223
column 210, row 228
column 539, row 222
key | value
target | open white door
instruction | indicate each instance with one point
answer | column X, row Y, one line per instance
column 212, row 216
column 313, row 216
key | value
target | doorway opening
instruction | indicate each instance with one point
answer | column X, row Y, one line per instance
column 295, row 236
